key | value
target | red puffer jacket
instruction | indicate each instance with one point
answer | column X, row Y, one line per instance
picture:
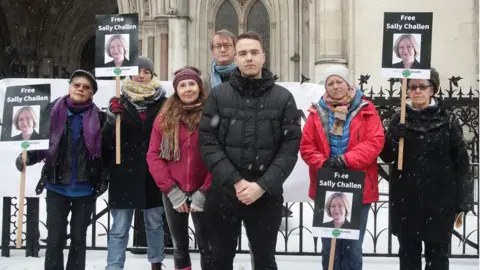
column 364, row 146
column 189, row 173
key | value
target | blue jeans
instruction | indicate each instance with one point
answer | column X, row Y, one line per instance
column 119, row 233
column 348, row 253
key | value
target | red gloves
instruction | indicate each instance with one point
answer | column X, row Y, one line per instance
column 115, row 106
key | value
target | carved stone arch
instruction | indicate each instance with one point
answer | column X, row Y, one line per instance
column 60, row 22
column 75, row 27
column 248, row 5
column 267, row 33
column 82, row 38
column 216, row 8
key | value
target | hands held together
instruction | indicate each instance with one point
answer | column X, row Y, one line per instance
column 248, row 192
column 179, row 200
column 335, row 162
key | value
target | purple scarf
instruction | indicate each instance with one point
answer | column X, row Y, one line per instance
column 91, row 127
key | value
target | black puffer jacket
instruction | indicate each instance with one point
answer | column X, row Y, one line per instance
column 250, row 130
column 435, row 182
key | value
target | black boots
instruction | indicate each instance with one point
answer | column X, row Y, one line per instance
column 157, row 266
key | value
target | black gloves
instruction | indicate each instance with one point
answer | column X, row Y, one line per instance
column 336, row 162
column 102, row 185
column 463, row 207
column 31, row 160
column 399, row 131
column 100, row 189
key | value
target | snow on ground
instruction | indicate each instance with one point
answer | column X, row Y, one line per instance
column 97, row 259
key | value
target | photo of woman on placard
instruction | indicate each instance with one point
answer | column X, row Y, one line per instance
column 117, row 48
column 337, row 207
column 406, row 48
column 25, row 121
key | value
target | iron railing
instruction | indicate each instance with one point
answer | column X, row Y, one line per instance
column 295, row 235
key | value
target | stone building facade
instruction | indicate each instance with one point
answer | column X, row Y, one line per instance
column 301, row 36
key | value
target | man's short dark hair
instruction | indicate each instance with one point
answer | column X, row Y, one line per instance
column 250, row 35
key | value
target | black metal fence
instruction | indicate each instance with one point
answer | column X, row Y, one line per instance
column 295, row 235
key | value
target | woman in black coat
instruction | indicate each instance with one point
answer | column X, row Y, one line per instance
column 132, row 186
column 435, row 184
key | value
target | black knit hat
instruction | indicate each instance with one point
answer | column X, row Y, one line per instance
column 87, row 75
column 434, row 80
column 144, row 62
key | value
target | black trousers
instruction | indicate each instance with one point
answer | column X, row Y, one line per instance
column 262, row 221
column 58, row 208
column 410, row 254
column 178, row 224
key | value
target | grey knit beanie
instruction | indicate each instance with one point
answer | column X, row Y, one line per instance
column 340, row 71
column 144, row 62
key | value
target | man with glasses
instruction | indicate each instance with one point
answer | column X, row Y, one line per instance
column 222, row 48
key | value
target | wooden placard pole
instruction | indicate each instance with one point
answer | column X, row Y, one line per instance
column 331, row 261
column 117, row 125
column 21, row 200
column 402, row 121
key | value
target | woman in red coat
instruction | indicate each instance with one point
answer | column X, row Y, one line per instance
column 343, row 131
column 174, row 161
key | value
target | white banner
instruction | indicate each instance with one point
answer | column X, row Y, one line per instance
column 295, row 188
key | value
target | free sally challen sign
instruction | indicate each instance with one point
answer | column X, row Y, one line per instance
column 116, row 45
column 407, row 45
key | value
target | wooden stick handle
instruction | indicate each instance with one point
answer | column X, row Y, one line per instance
column 21, row 200
column 331, row 261
column 117, row 125
column 402, row 121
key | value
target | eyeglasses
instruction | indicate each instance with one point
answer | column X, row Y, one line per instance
column 219, row 46
column 420, row 86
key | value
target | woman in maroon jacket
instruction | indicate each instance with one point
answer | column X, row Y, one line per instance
column 174, row 162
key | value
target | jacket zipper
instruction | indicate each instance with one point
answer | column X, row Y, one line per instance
column 255, row 137
column 188, row 161
column 243, row 135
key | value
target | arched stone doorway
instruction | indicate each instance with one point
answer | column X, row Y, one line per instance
column 87, row 60
column 6, row 55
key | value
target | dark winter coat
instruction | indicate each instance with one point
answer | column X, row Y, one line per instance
column 435, row 182
column 131, row 184
column 88, row 171
column 250, row 129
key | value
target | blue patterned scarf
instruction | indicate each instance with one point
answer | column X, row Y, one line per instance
column 217, row 70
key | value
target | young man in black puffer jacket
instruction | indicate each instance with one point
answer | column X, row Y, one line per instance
column 249, row 136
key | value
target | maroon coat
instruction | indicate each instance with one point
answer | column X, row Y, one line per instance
column 189, row 173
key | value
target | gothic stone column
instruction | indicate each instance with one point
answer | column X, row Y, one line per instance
column 330, row 48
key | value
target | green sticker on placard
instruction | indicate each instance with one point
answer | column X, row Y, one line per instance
column 406, row 73
column 25, row 145
column 117, row 71
column 336, row 233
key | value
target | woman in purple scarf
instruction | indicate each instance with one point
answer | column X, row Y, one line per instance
column 73, row 172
